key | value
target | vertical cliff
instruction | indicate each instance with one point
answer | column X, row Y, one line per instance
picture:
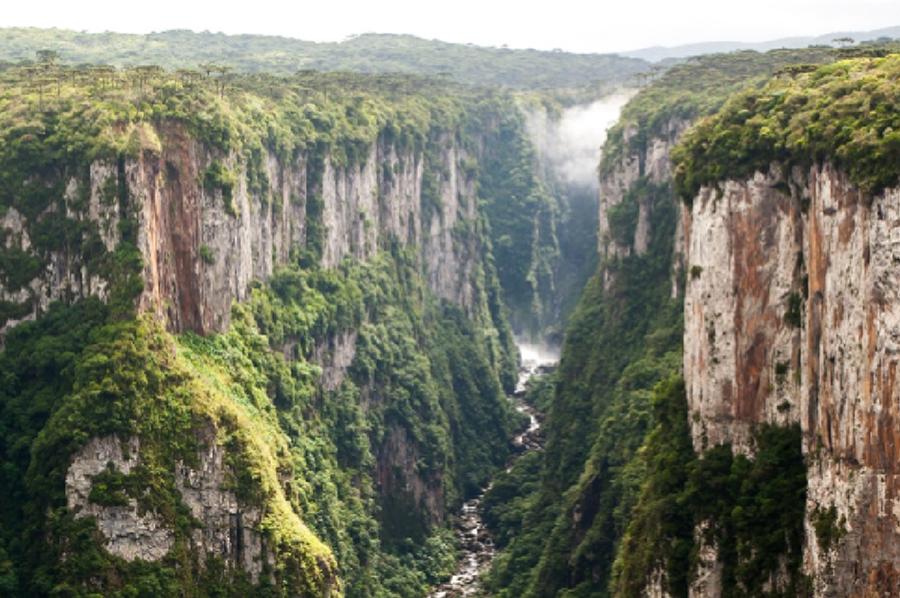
column 523, row 218
column 678, row 486
column 623, row 229
column 622, row 339
column 788, row 308
column 277, row 329
column 567, row 132
column 203, row 241
column 742, row 312
column 789, row 322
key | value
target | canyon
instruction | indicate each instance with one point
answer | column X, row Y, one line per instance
column 283, row 335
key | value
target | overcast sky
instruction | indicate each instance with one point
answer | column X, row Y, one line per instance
column 573, row 25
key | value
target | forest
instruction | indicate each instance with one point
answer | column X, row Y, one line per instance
column 262, row 303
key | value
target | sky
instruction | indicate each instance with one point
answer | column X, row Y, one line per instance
column 571, row 25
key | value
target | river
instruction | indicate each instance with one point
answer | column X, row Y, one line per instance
column 474, row 540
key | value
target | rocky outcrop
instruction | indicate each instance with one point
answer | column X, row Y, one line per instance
column 706, row 581
column 202, row 246
column 228, row 528
column 130, row 532
column 618, row 184
column 792, row 314
column 63, row 276
column 399, row 481
column 334, row 355
column 223, row 527
column 650, row 161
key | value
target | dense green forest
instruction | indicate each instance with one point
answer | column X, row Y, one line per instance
column 110, row 375
column 90, row 369
column 847, row 112
column 370, row 53
column 618, row 490
column 613, row 500
column 698, row 87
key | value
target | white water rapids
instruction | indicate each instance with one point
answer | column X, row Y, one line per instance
column 474, row 540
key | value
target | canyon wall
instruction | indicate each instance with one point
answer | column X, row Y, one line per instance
column 789, row 288
column 202, row 246
column 621, row 188
column 791, row 317
column 761, row 295
column 209, row 228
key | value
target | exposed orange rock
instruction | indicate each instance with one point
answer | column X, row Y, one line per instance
column 844, row 250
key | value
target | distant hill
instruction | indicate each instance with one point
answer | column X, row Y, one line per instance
column 659, row 53
column 369, row 53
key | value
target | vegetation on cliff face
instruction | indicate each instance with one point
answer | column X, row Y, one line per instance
column 371, row 53
column 523, row 217
column 613, row 501
column 56, row 122
column 613, row 504
column 59, row 120
column 696, row 88
column 426, row 378
column 424, row 366
column 751, row 509
column 107, row 376
column 846, row 112
column 619, row 343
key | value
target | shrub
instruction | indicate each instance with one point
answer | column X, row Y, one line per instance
column 207, row 255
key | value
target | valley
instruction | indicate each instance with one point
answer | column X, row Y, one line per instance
column 284, row 318
column 476, row 544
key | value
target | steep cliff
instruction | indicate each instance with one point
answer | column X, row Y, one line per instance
column 524, row 220
column 566, row 130
column 788, row 316
column 254, row 339
column 208, row 222
column 649, row 484
column 622, row 339
column 801, row 335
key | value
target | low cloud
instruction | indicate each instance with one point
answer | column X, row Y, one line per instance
column 570, row 145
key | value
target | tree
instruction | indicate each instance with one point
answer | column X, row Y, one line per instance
column 188, row 76
column 146, row 73
column 48, row 57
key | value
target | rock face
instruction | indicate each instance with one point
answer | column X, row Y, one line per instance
column 741, row 351
column 707, row 579
column 791, row 317
column 201, row 249
column 792, row 314
column 129, row 533
column 64, row 276
column 651, row 162
column 398, row 479
column 335, row 355
column 226, row 528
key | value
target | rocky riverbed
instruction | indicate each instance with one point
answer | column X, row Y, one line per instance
column 474, row 540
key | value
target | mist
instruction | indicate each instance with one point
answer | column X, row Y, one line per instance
column 537, row 354
column 570, row 145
